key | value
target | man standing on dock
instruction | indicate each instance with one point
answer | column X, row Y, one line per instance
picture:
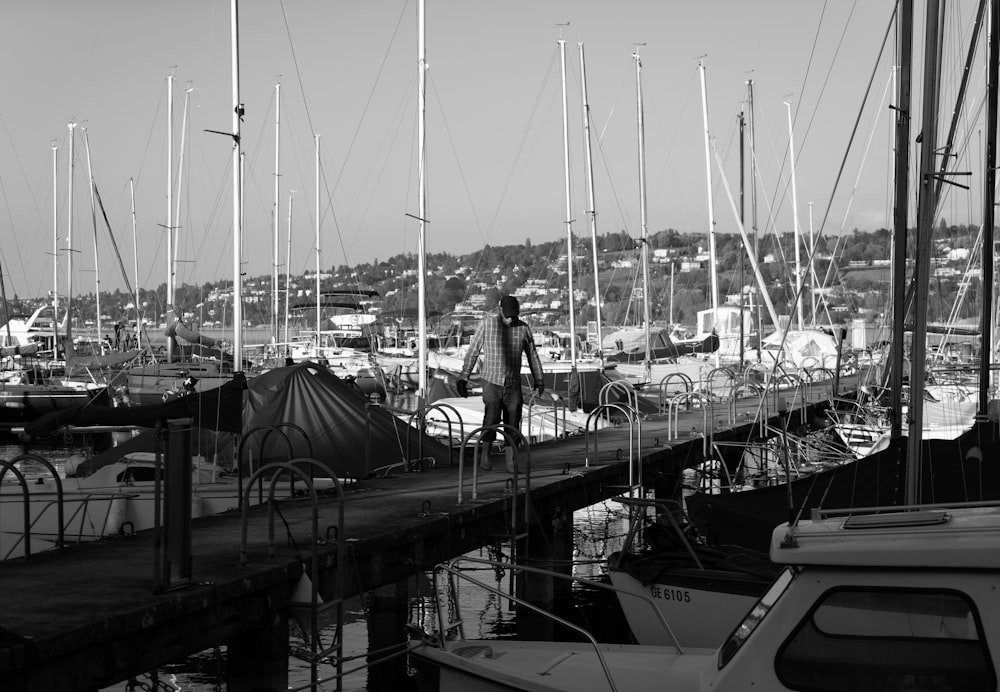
column 502, row 340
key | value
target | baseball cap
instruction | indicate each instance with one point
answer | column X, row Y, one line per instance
column 509, row 306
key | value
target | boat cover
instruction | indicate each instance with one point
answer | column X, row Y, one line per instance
column 335, row 417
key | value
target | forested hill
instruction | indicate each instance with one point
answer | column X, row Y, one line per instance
column 850, row 274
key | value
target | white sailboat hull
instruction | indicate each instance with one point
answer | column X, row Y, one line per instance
column 701, row 607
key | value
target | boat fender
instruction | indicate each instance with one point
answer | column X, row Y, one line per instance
column 116, row 515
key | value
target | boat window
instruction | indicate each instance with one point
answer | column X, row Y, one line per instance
column 137, row 474
column 877, row 639
column 753, row 618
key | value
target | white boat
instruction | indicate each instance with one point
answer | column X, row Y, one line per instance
column 864, row 425
column 117, row 498
column 701, row 591
column 86, row 515
column 544, row 418
column 892, row 599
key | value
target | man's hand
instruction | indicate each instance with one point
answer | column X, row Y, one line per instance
column 539, row 388
column 463, row 387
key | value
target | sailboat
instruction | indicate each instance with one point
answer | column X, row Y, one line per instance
column 644, row 354
column 96, row 505
column 39, row 357
column 568, row 370
column 203, row 363
column 915, row 466
column 845, row 614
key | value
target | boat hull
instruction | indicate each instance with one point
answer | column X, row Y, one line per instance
column 21, row 403
column 701, row 607
column 87, row 516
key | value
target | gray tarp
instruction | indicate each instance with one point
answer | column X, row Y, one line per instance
column 335, row 417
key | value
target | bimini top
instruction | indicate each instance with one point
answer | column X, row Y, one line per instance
column 937, row 536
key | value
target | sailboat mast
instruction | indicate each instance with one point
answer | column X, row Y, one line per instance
column 569, row 210
column 795, row 222
column 69, row 244
column 743, row 337
column 671, row 311
column 647, row 365
column 179, row 185
column 900, row 216
column 711, row 214
column 93, row 218
column 422, row 211
column 986, row 350
column 319, row 250
column 814, row 302
column 237, row 198
column 921, row 269
column 758, row 313
column 288, row 264
column 171, row 342
column 55, row 251
column 277, row 193
column 135, row 263
column 591, row 205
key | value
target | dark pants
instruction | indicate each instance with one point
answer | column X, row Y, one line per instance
column 503, row 404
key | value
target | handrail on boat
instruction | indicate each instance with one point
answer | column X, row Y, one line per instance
column 819, row 513
column 453, row 570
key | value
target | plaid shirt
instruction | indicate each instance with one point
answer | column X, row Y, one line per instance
column 501, row 347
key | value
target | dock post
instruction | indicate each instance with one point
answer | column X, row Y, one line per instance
column 549, row 547
column 388, row 615
column 177, row 506
column 258, row 660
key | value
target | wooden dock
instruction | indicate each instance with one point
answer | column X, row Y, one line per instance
column 89, row 616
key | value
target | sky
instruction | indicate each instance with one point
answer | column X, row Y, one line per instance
column 494, row 146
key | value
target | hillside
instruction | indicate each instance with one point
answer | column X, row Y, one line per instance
column 856, row 285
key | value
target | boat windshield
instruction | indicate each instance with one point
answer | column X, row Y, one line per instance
column 753, row 618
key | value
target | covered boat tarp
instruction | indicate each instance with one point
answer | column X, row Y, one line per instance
column 214, row 409
column 804, row 348
column 335, row 417
column 629, row 345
